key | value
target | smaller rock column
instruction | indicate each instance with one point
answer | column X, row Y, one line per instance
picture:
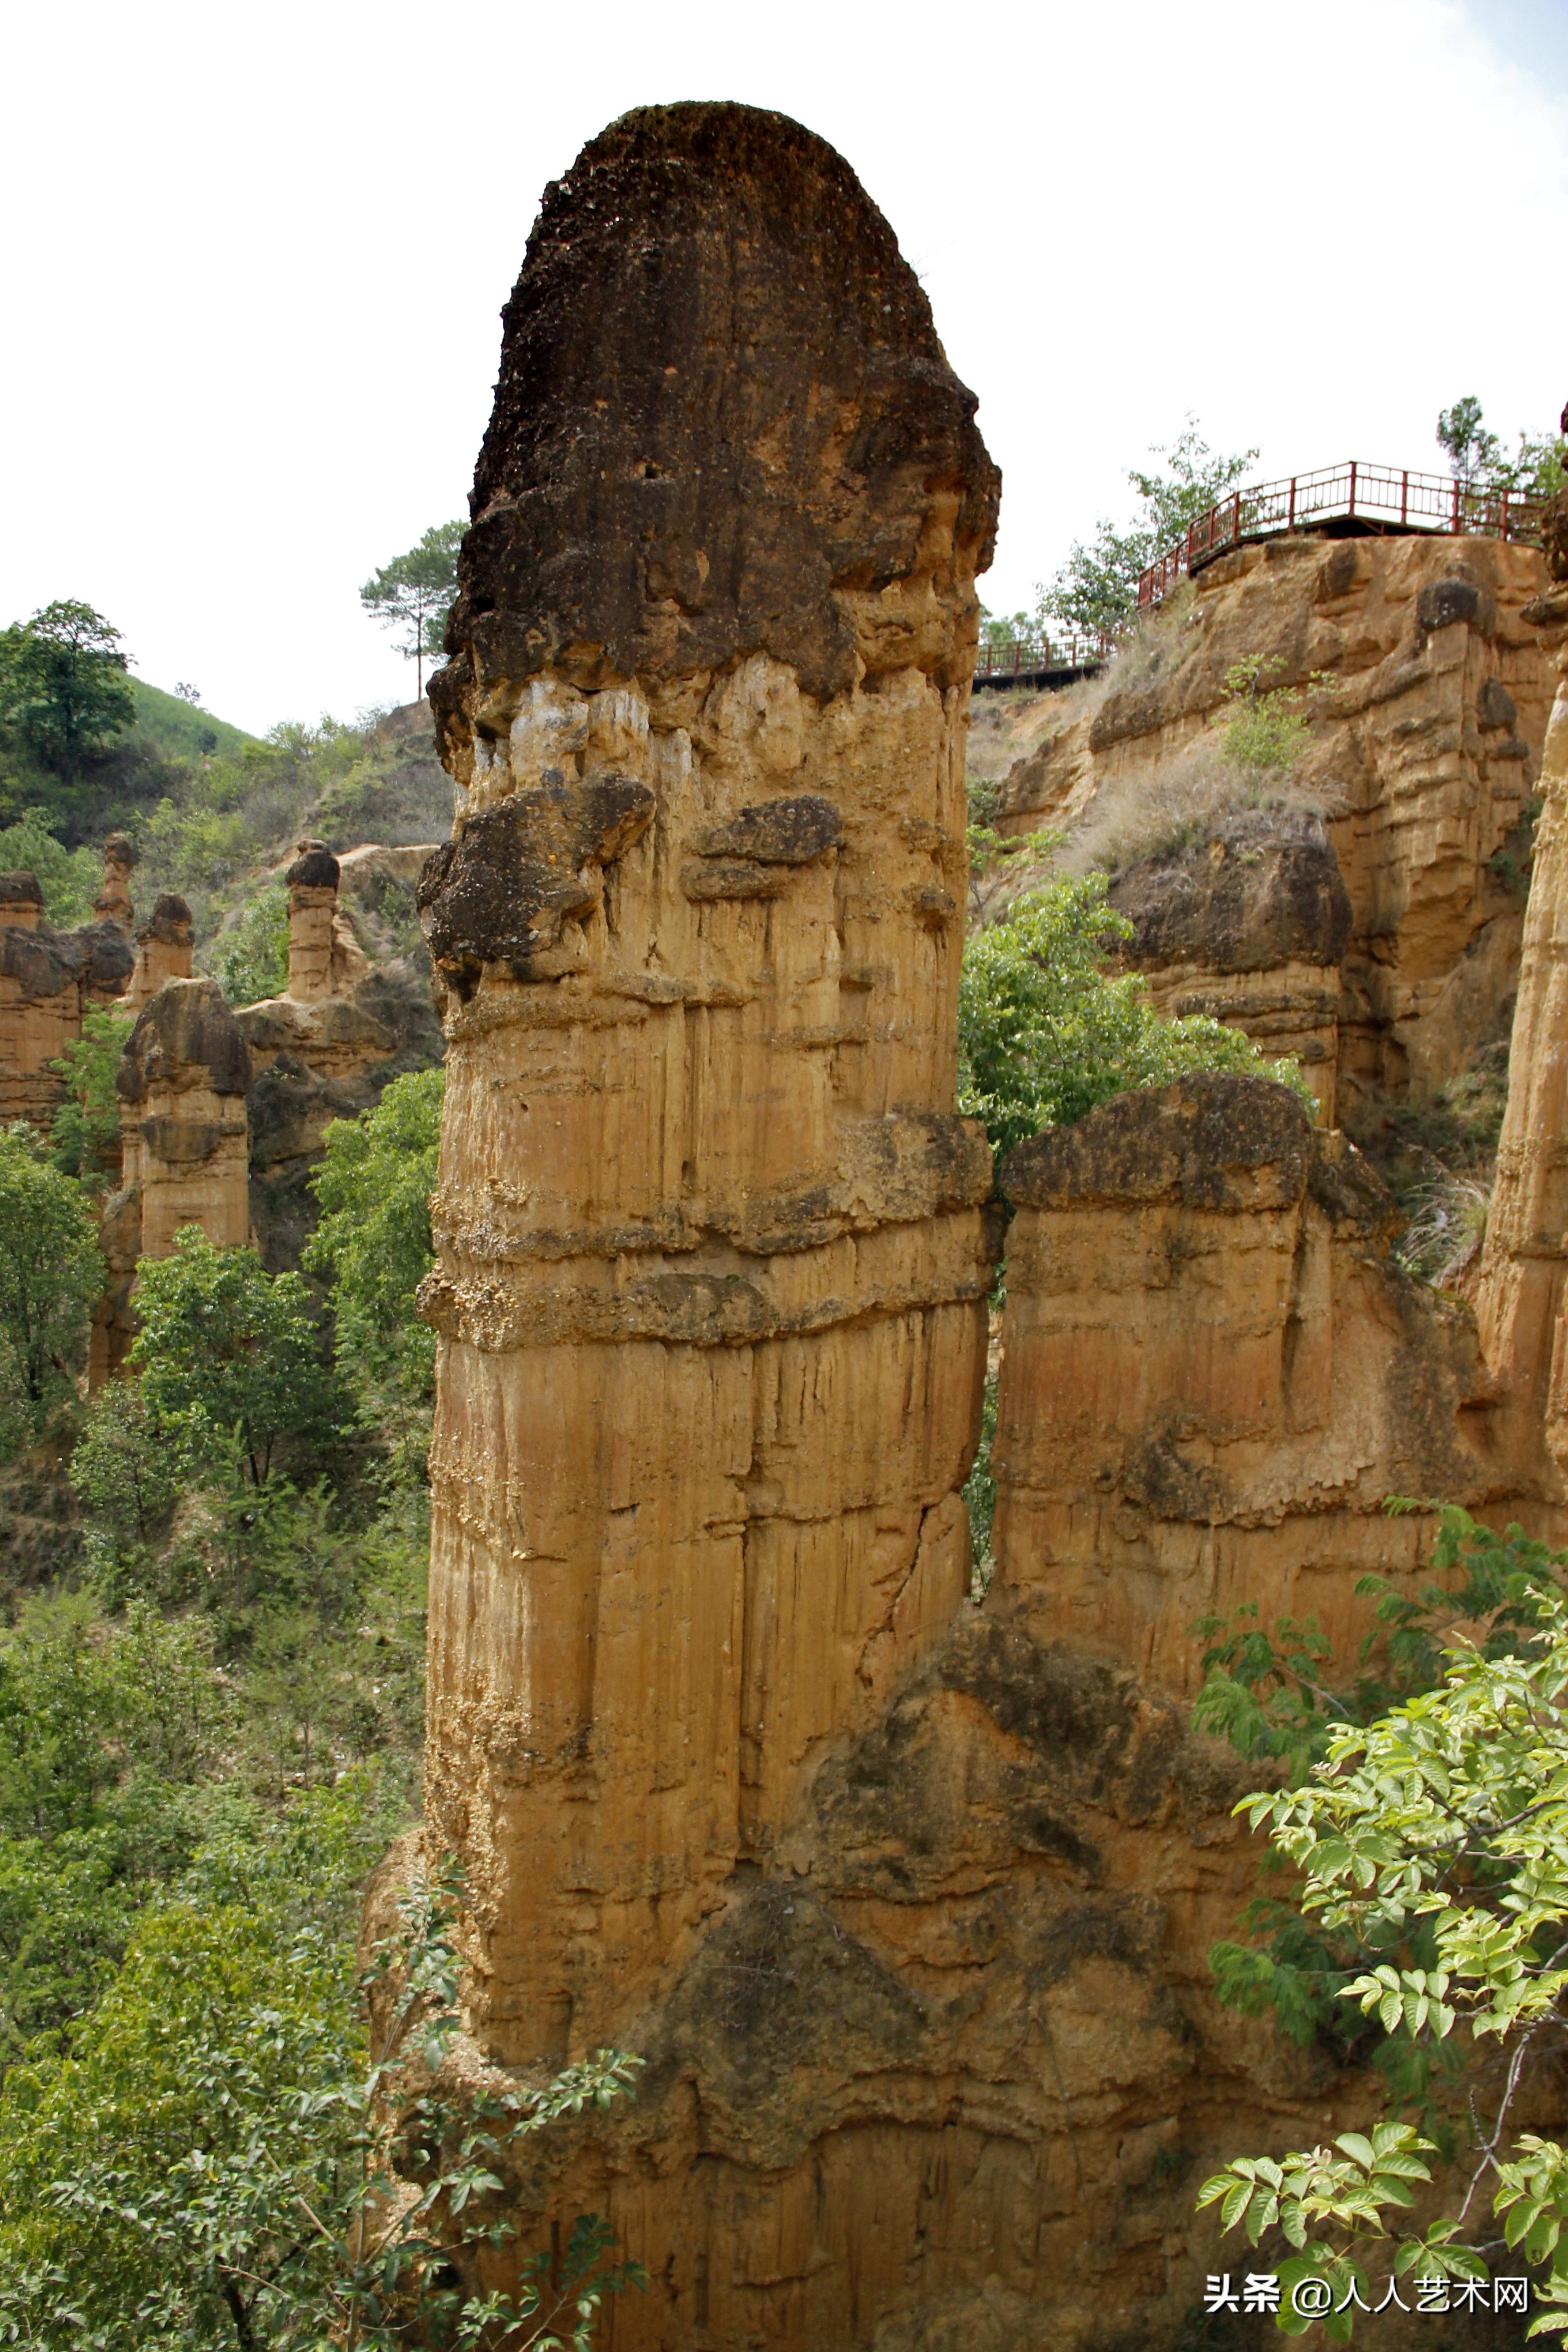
column 181, row 1083
column 324, row 958
column 112, row 904
column 162, row 951
column 1213, row 1374
column 313, row 882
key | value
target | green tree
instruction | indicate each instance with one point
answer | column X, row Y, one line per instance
column 1000, row 864
column 413, row 593
column 84, row 1135
column 1044, row 1034
column 248, row 2144
column 51, row 1271
column 1429, row 1845
column 374, row 1186
column 1097, row 587
column 1478, row 463
column 125, row 1472
column 228, row 1351
column 250, row 961
column 102, row 1730
column 64, row 690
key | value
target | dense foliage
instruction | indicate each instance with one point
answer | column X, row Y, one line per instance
column 210, row 2164
column 50, row 1274
column 85, row 1133
column 250, row 961
column 1045, row 1035
column 374, row 1186
column 230, row 1355
column 1427, row 1913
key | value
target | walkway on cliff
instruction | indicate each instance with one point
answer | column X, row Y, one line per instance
column 1353, row 500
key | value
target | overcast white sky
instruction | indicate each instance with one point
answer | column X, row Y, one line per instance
column 256, row 259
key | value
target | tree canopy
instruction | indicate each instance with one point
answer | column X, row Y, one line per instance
column 1479, row 461
column 51, row 1271
column 413, row 593
column 227, row 1350
column 64, row 690
column 1097, row 587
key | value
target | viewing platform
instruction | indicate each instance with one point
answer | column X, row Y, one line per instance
column 1348, row 502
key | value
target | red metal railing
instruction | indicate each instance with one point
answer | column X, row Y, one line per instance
column 1387, row 495
column 1026, row 657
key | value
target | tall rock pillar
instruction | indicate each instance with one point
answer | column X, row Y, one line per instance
column 1520, row 1300
column 713, row 1245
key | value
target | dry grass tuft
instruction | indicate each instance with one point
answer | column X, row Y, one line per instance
column 1178, row 803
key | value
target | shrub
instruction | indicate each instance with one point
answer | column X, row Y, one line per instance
column 1425, row 1824
column 216, row 2162
column 250, row 961
column 1044, row 1034
column 374, row 1186
column 1268, row 726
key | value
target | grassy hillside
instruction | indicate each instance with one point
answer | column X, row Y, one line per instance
column 181, row 730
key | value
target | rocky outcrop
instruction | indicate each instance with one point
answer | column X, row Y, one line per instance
column 713, row 1246
column 943, row 2063
column 1422, row 761
column 48, row 979
column 1250, row 926
column 163, row 948
column 905, row 1899
column 316, row 1063
column 1520, row 1298
column 1215, row 1372
column 328, row 1046
column 181, row 1083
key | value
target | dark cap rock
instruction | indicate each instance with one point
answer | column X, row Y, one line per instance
column 721, row 398
column 170, row 922
column 1262, row 888
column 1210, row 1140
column 188, row 1025
column 315, row 868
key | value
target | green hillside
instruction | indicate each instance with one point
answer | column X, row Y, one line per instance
column 180, row 727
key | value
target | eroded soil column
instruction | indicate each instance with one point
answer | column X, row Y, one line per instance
column 713, row 1242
